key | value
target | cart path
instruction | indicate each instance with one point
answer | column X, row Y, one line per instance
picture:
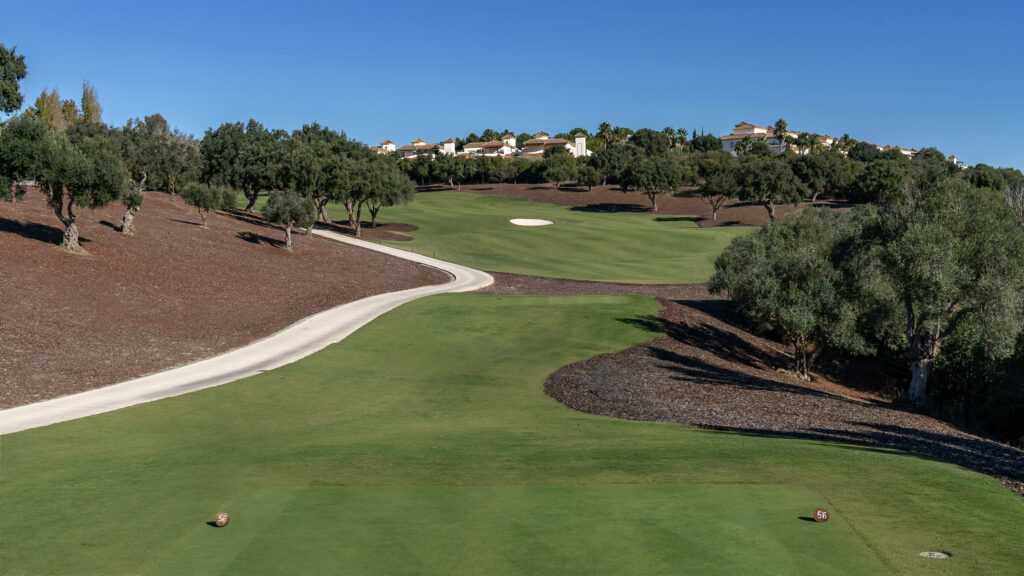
column 293, row 343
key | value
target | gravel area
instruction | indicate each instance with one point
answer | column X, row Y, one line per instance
column 171, row 294
column 712, row 374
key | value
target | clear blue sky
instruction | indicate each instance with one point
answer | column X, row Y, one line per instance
column 914, row 74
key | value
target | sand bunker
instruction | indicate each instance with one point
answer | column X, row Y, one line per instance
column 530, row 222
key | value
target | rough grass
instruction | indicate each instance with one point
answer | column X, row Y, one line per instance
column 474, row 230
column 424, row 445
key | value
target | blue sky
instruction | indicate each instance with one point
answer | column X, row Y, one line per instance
column 912, row 74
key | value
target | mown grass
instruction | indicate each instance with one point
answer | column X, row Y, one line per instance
column 474, row 230
column 424, row 444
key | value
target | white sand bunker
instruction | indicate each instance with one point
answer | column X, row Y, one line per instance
column 530, row 222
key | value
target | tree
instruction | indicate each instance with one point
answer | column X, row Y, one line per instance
column 12, row 72
column 92, row 112
column 705, row 143
column 984, row 176
column 317, row 166
column 48, row 109
column 653, row 176
column 605, row 133
column 864, row 152
column 612, row 161
column 206, row 198
column 588, row 176
column 769, row 181
column 791, row 277
column 781, row 132
column 649, row 141
column 1015, row 199
column 825, row 172
column 87, row 175
column 718, row 171
column 246, row 157
column 955, row 259
column 377, row 181
column 559, row 165
column 881, row 180
column 289, row 209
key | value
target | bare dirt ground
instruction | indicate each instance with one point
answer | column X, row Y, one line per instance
column 711, row 373
column 613, row 199
column 171, row 294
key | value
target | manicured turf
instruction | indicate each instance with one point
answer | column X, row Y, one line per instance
column 474, row 230
column 424, row 445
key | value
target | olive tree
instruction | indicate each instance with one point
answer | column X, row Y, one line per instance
column 289, row 209
column 90, row 174
column 205, row 197
column 955, row 258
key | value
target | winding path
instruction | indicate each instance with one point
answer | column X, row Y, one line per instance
column 293, row 343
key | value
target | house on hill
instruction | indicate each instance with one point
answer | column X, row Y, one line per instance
column 744, row 130
column 419, row 146
column 535, row 147
column 504, row 147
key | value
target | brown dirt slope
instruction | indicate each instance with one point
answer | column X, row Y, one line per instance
column 613, row 199
column 712, row 374
column 171, row 294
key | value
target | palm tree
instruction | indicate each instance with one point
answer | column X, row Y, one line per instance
column 781, row 132
column 604, row 132
column 681, row 135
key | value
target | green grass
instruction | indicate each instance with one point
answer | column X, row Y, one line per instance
column 424, row 445
column 474, row 230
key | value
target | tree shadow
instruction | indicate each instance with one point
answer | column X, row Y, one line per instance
column 723, row 343
column 254, row 238
column 647, row 323
column 678, row 219
column 35, row 231
column 189, row 222
column 111, row 225
column 611, row 207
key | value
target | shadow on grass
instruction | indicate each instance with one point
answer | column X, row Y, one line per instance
column 678, row 219
column 611, row 207
column 647, row 323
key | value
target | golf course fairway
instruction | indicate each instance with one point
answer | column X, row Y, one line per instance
column 424, row 444
column 474, row 230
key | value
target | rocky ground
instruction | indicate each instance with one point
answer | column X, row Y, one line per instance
column 171, row 294
column 711, row 373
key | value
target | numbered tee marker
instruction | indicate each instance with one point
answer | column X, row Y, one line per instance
column 821, row 515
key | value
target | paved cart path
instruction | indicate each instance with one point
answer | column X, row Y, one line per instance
column 293, row 343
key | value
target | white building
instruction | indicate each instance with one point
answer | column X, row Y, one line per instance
column 419, row 146
column 535, row 147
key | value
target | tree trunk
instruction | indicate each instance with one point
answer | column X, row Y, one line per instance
column 714, row 213
column 203, row 215
column 814, row 196
column 70, row 242
column 251, row 195
column 373, row 215
column 351, row 214
column 359, row 216
column 288, row 237
column 128, row 223
column 654, row 201
column 920, row 369
column 770, row 207
column 321, row 208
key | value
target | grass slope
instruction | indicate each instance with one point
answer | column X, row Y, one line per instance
column 424, row 445
column 474, row 230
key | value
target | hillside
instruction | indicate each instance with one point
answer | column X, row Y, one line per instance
column 171, row 294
